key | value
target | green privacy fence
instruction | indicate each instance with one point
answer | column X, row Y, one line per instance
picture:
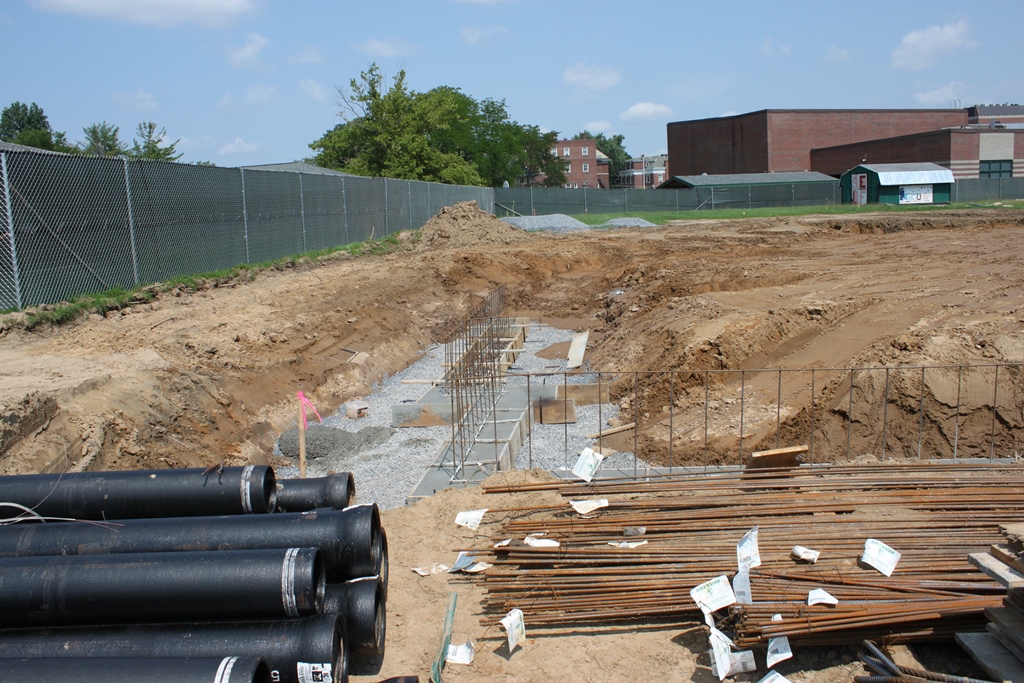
column 71, row 225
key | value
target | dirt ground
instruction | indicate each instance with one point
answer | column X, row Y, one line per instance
column 193, row 378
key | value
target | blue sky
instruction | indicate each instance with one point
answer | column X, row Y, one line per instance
column 254, row 81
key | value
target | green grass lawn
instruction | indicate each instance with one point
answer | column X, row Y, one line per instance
column 662, row 217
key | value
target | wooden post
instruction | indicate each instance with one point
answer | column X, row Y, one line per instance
column 302, row 442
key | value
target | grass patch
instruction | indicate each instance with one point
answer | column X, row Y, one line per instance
column 662, row 217
column 119, row 298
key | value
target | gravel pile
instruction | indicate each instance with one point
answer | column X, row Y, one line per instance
column 626, row 223
column 555, row 222
column 388, row 463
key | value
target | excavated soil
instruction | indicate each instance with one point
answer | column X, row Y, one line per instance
column 194, row 378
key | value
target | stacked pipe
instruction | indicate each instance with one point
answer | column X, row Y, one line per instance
column 935, row 515
column 189, row 565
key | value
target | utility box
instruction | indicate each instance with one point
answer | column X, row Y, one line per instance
column 910, row 183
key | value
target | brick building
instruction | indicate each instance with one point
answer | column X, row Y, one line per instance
column 970, row 152
column 644, row 172
column 1001, row 114
column 585, row 166
column 773, row 140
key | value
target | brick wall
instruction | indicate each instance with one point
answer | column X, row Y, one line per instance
column 934, row 146
column 597, row 174
column 782, row 140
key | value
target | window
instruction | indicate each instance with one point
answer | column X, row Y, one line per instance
column 995, row 169
column 586, row 167
column 565, row 151
column 568, row 168
column 568, row 186
column 576, row 186
column 586, row 151
column 554, row 151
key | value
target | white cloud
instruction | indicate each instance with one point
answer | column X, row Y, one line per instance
column 238, row 146
column 140, row 100
column 921, row 49
column 308, row 56
column 941, row 96
column 385, row 48
column 159, row 13
column 481, row 35
column 597, row 126
column 260, row 94
column 313, row 90
column 646, row 111
column 186, row 143
column 590, row 79
column 248, row 54
column 226, row 102
column 768, row 49
column 837, row 54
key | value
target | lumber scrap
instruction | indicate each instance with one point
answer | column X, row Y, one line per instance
column 790, row 456
column 548, row 411
column 577, row 349
column 1005, row 554
column 1007, row 576
column 1004, row 638
column 613, row 430
column 992, row 656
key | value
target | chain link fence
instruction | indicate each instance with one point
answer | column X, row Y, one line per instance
column 71, row 225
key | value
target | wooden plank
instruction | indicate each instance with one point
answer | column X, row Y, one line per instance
column 613, row 430
column 1010, row 623
column 577, row 349
column 553, row 411
column 1009, row 577
column 791, row 456
column 1006, row 641
column 1005, row 554
column 1016, row 595
column 1014, row 534
column 992, row 656
column 584, row 394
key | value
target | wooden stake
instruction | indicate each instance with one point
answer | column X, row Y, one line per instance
column 302, row 444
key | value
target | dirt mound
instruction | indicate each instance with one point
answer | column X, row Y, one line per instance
column 465, row 225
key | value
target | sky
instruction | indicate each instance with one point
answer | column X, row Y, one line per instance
column 241, row 82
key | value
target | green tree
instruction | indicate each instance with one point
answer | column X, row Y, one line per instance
column 19, row 117
column 612, row 147
column 102, row 139
column 147, row 144
column 538, row 159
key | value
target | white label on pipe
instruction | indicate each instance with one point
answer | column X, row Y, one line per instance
column 515, row 627
column 584, row 507
column 778, row 650
column 739, row 663
column 747, row 554
column 720, row 652
column 313, row 672
column 587, row 464
column 470, row 518
column 741, row 587
column 805, row 554
column 880, row 556
column 460, row 654
column 819, row 596
column 774, row 677
column 714, row 594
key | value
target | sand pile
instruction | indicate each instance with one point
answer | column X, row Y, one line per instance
column 466, row 225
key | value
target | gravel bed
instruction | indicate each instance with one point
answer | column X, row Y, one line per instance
column 555, row 222
column 626, row 223
column 388, row 463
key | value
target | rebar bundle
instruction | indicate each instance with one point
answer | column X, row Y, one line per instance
column 685, row 530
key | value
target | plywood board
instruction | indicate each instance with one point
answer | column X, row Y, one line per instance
column 1005, row 554
column 554, row 411
column 577, row 349
column 1009, row 577
column 585, row 394
column 992, row 656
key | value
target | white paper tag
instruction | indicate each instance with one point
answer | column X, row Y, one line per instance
column 634, row 530
column 774, row 677
column 880, row 556
column 460, row 654
column 470, row 518
column 804, row 554
column 714, row 594
column 587, row 506
column 540, row 542
column 502, row 544
column 313, row 672
column 739, row 663
column 627, row 544
column 778, row 650
column 720, row 653
column 421, row 571
column 820, row 596
column 747, row 554
column 515, row 627
column 587, row 464
column 741, row 587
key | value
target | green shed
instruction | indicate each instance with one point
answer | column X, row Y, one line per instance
column 911, row 183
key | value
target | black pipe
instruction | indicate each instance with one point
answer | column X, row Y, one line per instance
column 159, row 587
column 361, row 604
column 348, row 539
column 333, row 491
column 135, row 494
column 294, row 649
column 136, row 670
